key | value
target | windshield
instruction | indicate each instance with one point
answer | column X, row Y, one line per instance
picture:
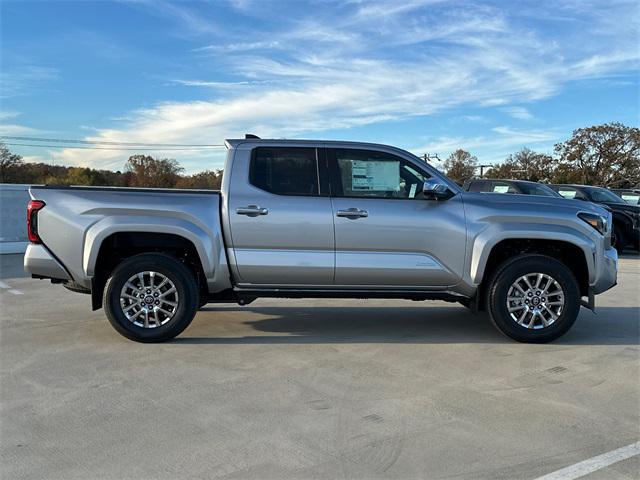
column 597, row 194
column 537, row 189
column 632, row 198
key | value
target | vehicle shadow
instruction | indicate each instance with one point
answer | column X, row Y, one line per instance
column 435, row 325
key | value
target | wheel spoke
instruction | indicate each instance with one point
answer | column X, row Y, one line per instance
column 171, row 290
column 154, row 309
column 535, row 295
column 127, row 308
column 522, row 317
column 526, row 280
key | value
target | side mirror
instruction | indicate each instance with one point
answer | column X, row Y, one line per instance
column 434, row 189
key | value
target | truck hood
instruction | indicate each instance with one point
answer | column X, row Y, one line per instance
column 532, row 202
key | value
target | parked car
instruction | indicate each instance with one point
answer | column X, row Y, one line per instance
column 626, row 217
column 491, row 185
column 322, row 219
column 629, row 195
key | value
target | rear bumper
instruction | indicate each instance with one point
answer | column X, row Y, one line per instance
column 607, row 271
column 40, row 263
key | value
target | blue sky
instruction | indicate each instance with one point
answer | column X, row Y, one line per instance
column 425, row 75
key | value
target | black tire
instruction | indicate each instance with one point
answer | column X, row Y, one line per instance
column 172, row 269
column 620, row 239
column 510, row 271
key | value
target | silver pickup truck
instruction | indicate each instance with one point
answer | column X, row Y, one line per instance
column 298, row 219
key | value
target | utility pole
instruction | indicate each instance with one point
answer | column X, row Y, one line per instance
column 482, row 167
column 428, row 156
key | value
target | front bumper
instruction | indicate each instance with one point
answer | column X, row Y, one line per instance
column 606, row 271
column 39, row 262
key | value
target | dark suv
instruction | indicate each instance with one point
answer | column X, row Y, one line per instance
column 626, row 217
column 629, row 195
column 491, row 185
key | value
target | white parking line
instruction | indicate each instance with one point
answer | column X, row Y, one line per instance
column 4, row 285
column 15, row 292
column 595, row 463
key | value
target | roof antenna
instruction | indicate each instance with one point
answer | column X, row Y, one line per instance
column 248, row 136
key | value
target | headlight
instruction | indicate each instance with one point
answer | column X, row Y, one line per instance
column 596, row 221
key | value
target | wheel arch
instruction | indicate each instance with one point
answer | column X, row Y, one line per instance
column 568, row 253
column 119, row 245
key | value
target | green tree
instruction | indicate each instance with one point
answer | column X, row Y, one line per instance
column 460, row 165
column 607, row 155
column 10, row 164
column 147, row 171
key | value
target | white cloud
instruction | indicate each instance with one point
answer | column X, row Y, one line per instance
column 14, row 129
column 417, row 58
column 519, row 113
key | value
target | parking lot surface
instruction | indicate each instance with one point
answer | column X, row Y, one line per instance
column 313, row 389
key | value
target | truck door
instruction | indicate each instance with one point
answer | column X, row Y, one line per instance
column 387, row 233
column 280, row 218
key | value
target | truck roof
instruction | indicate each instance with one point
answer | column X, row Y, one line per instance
column 235, row 142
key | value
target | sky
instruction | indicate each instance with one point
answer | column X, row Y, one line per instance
column 429, row 76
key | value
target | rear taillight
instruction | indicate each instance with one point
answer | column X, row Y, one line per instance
column 32, row 219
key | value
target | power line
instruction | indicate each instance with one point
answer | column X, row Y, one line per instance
column 103, row 142
column 109, row 148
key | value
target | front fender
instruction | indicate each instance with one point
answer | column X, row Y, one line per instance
column 485, row 241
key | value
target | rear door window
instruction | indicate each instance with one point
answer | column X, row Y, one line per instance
column 285, row 170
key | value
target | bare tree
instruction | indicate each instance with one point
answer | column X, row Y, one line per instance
column 525, row 165
column 606, row 154
column 146, row 171
column 460, row 165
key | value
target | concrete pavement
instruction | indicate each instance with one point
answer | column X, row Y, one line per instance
column 313, row 389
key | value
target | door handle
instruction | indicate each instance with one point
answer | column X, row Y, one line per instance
column 352, row 213
column 252, row 210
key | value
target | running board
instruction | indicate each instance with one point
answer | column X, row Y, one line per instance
column 250, row 294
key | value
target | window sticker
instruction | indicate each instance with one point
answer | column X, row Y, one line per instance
column 501, row 188
column 375, row 175
column 568, row 193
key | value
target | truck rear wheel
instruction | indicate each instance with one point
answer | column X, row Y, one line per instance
column 533, row 298
column 150, row 297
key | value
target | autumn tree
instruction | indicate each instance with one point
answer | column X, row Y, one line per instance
column 607, row 155
column 525, row 165
column 208, row 180
column 460, row 165
column 10, row 163
column 146, row 171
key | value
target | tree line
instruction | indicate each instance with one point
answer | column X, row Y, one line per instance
column 606, row 155
column 139, row 171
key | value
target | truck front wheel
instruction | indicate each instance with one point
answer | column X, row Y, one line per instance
column 533, row 298
column 150, row 297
